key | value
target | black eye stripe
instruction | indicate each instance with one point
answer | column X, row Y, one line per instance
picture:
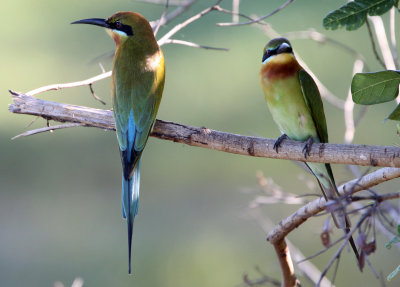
column 121, row 27
column 280, row 50
column 268, row 53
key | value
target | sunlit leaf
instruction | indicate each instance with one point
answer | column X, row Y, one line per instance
column 353, row 14
column 375, row 88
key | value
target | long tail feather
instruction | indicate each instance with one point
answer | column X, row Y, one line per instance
column 130, row 204
column 326, row 181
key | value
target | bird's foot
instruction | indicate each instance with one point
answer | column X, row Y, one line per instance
column 307, row 147
column 279, row 141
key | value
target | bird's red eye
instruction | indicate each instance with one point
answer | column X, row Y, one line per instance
column 118, row 24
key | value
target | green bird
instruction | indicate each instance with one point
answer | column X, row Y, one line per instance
column 295, row 103
column 137, row 84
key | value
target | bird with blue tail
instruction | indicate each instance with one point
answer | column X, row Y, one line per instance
column 137, row 84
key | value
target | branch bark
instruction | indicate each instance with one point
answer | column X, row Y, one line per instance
column 365, row 155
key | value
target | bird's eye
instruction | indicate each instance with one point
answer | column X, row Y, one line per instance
column 118, row 24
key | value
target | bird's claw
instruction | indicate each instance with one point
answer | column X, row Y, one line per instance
column 279, row 141
column 307, row 147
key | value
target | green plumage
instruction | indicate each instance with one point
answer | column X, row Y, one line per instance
column 137, row 84
column 296, row 106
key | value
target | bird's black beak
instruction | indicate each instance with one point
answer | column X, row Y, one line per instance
column 93, row 21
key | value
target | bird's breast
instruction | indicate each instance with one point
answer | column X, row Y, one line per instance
column 280, row 67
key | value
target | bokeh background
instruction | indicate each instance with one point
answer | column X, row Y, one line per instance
column 60, row 214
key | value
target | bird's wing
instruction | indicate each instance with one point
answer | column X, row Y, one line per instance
column 313, row 100
column 135, row 109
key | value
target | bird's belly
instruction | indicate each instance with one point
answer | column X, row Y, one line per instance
column 289, row 110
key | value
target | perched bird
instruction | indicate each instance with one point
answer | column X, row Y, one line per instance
column 295, row 103
column 137, row 85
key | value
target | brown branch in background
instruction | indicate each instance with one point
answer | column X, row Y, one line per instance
column 286, row 264
column 287, row 3
column 306, row 269
column 216, row 140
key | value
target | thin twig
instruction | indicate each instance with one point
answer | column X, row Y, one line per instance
column 349, row 107
column 287, row 3
column 191, row 44
column 94, row 94
column 371, row 37
column 383, row 42
column 318, row 205
column 342, row 246
column 69, row 85
column 174, row 14
column 171, row 3
column 182, row 25
column 323, row 39
column 235, row 11
column 393, row 38
column 210, row 139
column 46, row 129
column 161, row 18
column 307, row 269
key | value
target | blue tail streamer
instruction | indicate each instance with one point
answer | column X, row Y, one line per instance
column 130, row 203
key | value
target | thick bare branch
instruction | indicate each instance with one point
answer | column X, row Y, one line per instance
column 211, row 139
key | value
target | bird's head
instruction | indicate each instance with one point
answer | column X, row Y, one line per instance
column 122, row 26
column 275, row 47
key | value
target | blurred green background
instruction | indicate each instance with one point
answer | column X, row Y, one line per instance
column 60, row 214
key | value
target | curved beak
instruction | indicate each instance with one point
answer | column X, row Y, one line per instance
column 93, row 21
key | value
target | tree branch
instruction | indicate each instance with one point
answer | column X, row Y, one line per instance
column 314, row 207
column 201, row 137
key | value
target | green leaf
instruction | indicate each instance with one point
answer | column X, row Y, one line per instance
column 375, row 88
column 398, row 229
column 353, row 14
column 394, row 273
column 395, row 115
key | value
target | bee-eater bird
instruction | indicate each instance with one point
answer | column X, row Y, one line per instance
column 295, row 103
column 137, row 85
